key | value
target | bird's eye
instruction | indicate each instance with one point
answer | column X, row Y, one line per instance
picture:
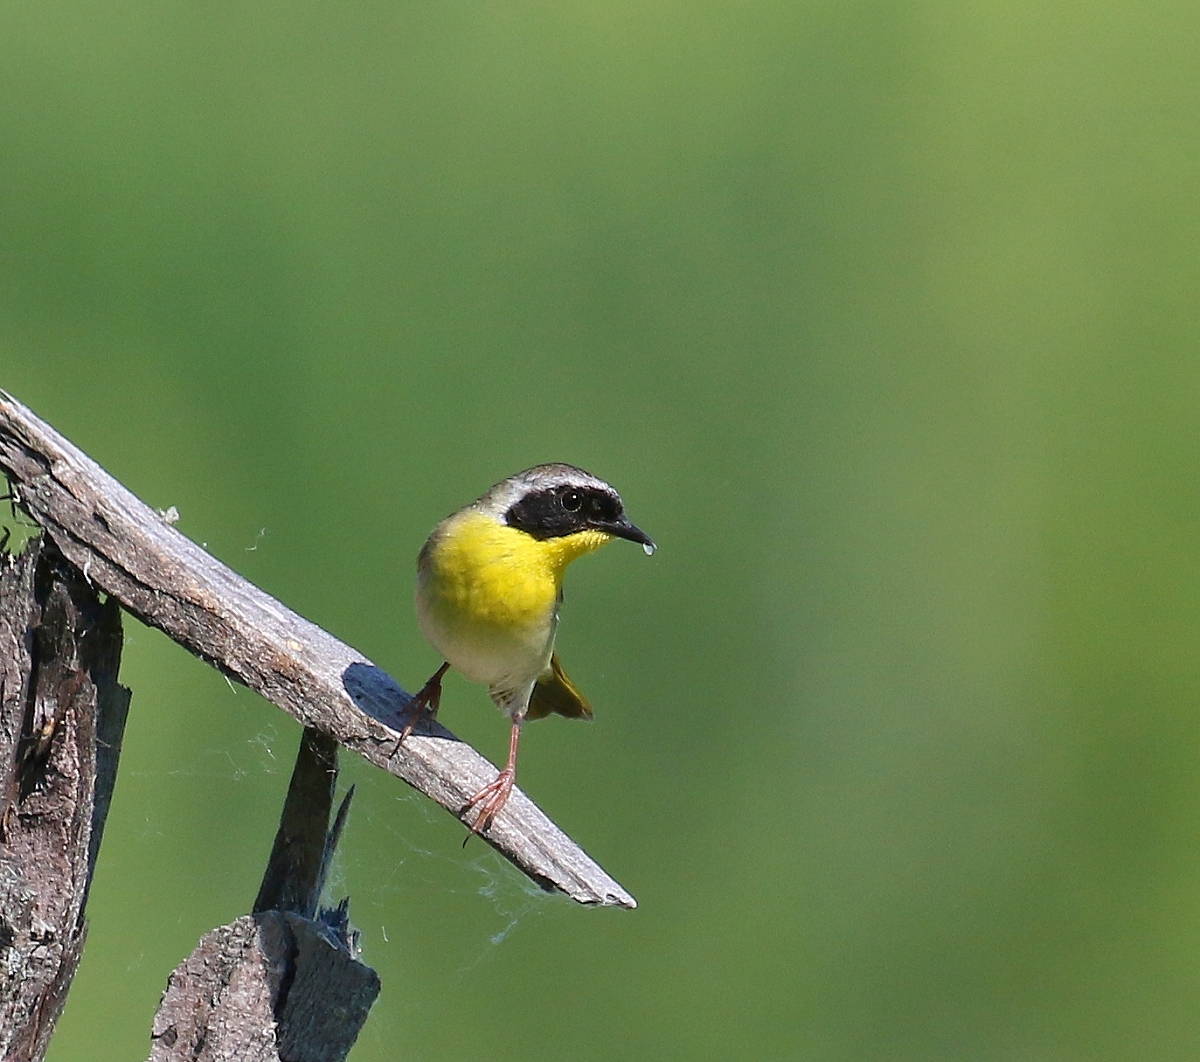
column 572, row 500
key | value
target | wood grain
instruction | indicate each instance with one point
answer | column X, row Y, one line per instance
column 62, row 716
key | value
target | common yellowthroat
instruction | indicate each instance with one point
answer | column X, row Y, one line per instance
column 489, row 589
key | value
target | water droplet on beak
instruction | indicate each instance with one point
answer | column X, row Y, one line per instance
column 648, row 548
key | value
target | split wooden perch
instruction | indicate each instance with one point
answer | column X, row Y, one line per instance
column 284, row 983
column 132, row 553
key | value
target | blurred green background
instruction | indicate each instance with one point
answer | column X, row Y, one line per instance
column 883, row 318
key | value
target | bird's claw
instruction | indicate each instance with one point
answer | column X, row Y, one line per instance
column 423, row 705
column 490, row 799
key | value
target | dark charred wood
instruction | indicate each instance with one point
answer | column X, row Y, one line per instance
column 293, row 878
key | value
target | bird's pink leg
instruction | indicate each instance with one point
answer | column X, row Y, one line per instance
column 493, row 796
column 425, row 703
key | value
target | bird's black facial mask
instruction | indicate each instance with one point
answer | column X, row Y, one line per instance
column 560, row 511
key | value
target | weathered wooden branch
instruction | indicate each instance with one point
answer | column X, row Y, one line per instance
column 283, row 984
column 132, row 553
column 62, row 717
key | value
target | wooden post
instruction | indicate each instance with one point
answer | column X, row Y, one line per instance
column 62, row 717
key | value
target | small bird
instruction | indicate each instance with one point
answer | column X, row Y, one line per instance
column 489, row 590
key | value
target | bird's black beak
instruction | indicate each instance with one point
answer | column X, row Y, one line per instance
column 623, row 528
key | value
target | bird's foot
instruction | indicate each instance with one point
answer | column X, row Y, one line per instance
column 424, row 705
column 489, row 800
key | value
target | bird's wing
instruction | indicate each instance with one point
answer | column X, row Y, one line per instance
column 554, row 692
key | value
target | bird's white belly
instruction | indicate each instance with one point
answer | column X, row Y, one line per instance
column 507, row 659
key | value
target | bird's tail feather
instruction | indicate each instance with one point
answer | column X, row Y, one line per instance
column 555, row 692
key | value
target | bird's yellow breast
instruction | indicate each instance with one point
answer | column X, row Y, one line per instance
column 488, row 574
